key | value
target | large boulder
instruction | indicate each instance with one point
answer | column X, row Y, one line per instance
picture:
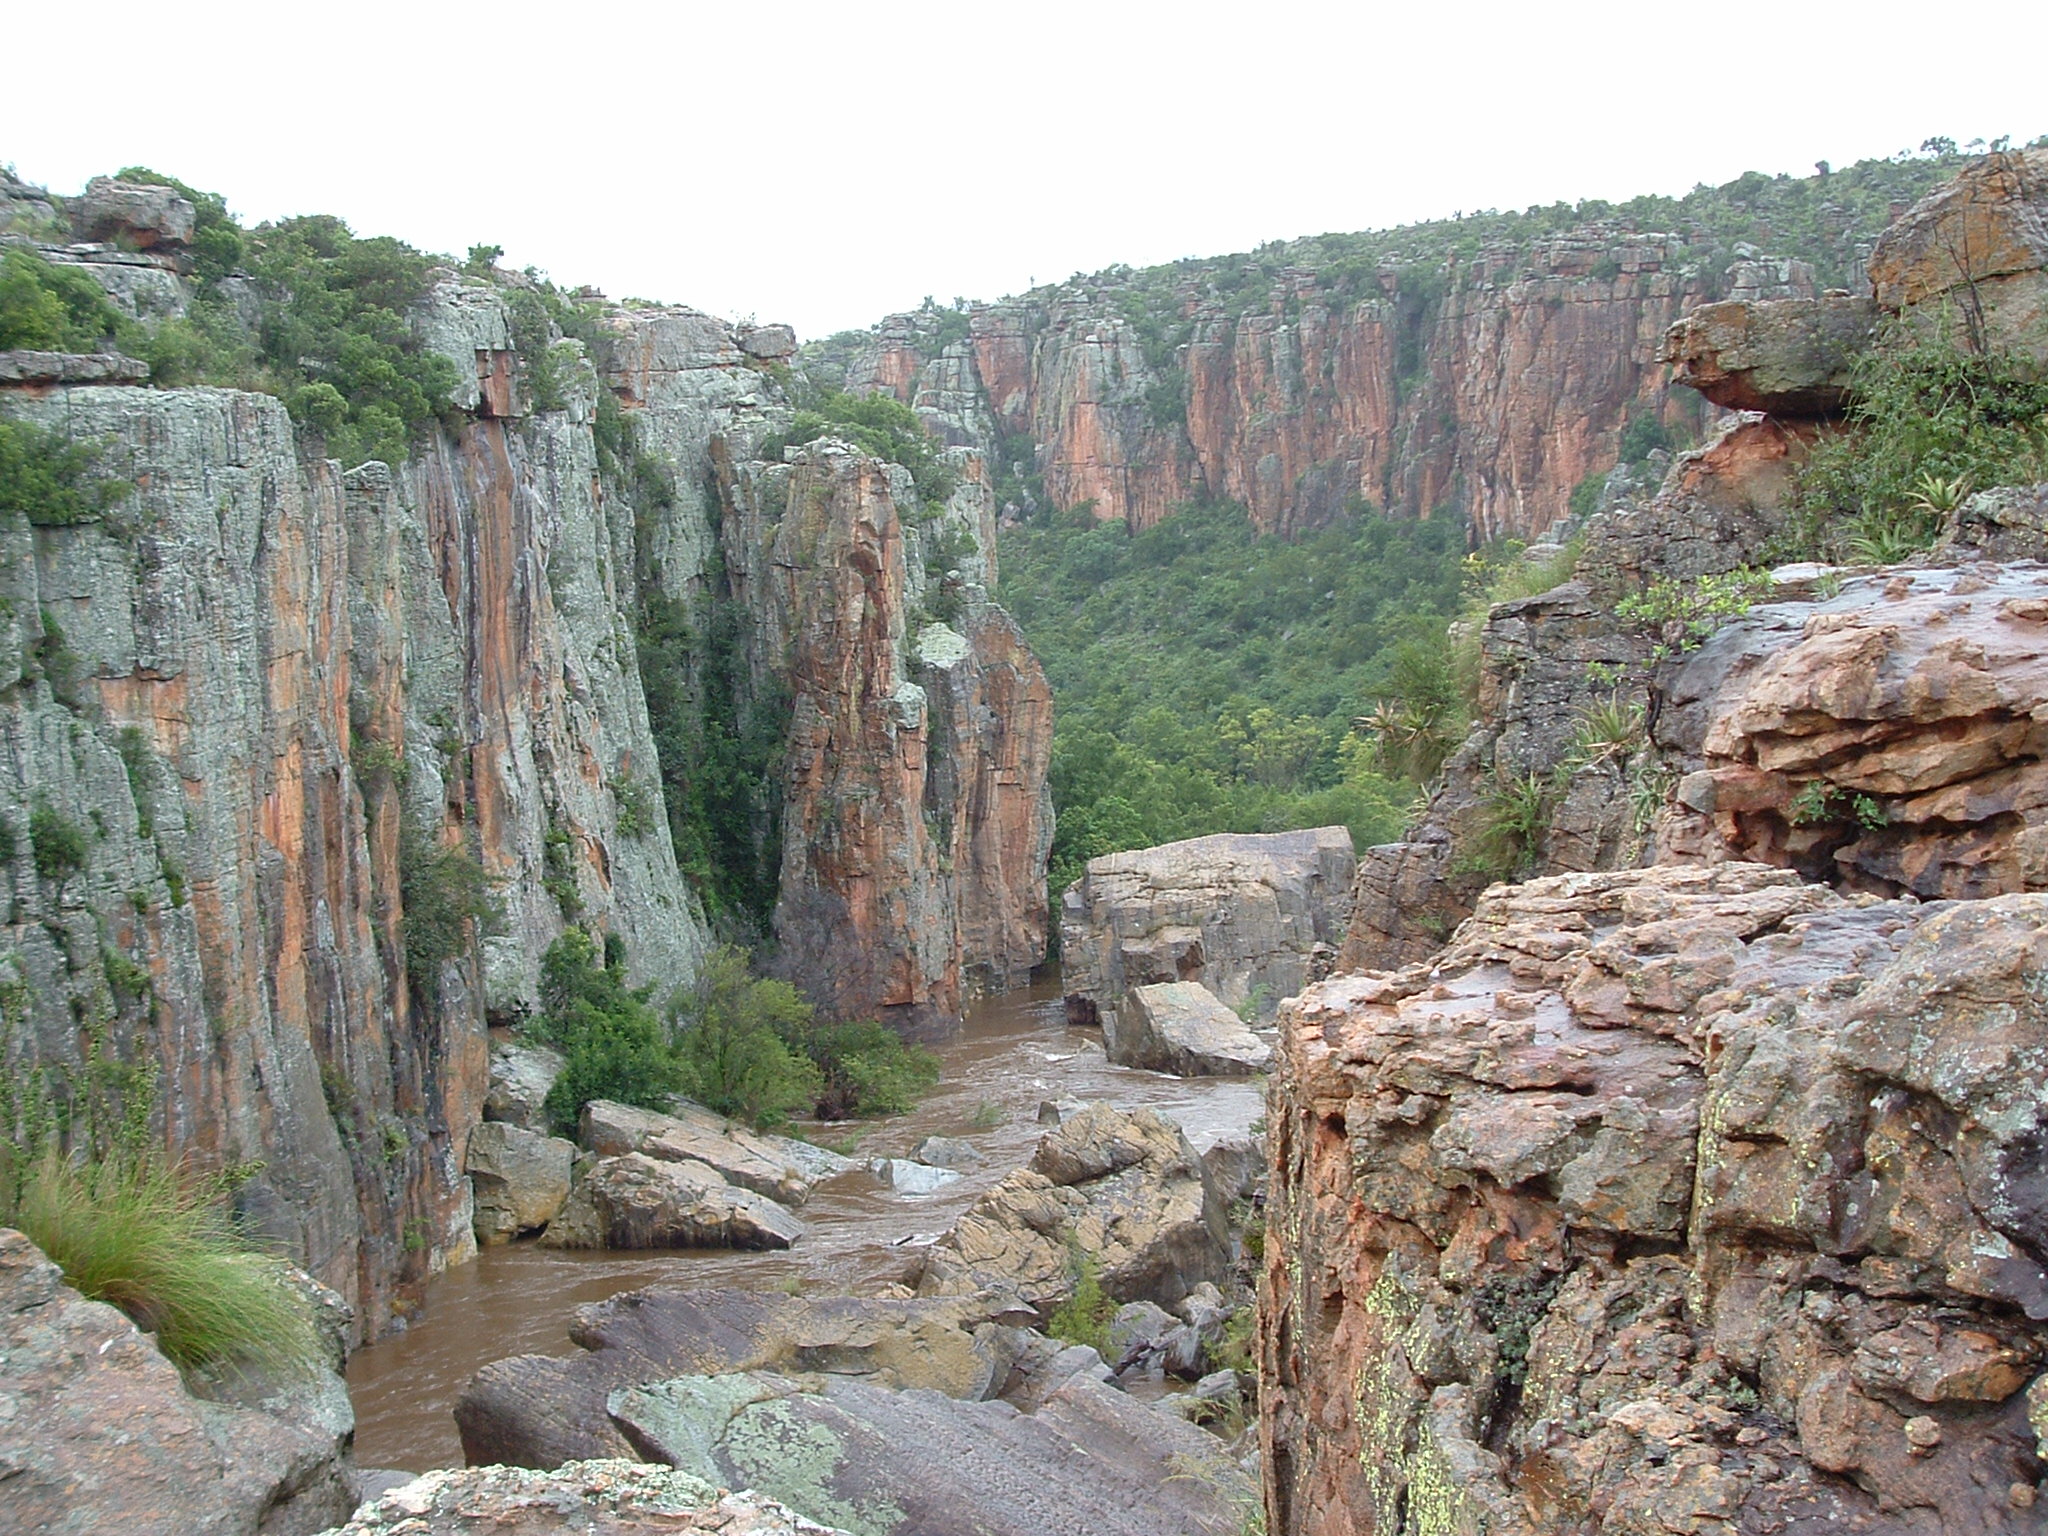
column 637, row 1201
column 1181, row 1027
column 694, row 1134
column 1790, row 357
column 537, row 1410
column 882, row 1463
column 1669, row 1192
column 520, row 1178
column 134, row 214
column 98, row 1432
column 582, row 1498
column 521, row 1075
column 1121, row 1189
column 1244, row 915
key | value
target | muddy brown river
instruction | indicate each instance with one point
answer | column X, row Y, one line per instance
column 1014, row 1052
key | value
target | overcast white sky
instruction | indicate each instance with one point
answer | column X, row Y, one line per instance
column 827, row 164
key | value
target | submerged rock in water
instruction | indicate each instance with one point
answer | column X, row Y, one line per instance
column 642, row 1202
column 911, row 1178
column 581, row 1498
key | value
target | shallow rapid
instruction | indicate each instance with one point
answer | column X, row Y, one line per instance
column 1014, row 1052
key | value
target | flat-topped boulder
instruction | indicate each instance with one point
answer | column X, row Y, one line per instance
column 1790, row 357
column 539, row 1410
column 881, row 1463
column 1246, row 915
column 140, row 215
column 1181, row 1027
column 588, row 1498
column 694, row 1134
column 26, row 367
column 644, row 1202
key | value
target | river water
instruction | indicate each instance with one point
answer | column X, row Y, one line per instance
column 1014, row 1052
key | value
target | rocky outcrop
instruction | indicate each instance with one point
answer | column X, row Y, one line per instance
column 882, row 1463
column 636, row 1201
column 1977, row 245
column 1886, row 737
column 583, row 1498
column 101, row 1434
column 136, row 214
column 1241, row 914
column 1664, row 1197
column 1121, row 1190
column 1788, row 357
column 917, row 817
column 538, row 1410
column 1181, row 1027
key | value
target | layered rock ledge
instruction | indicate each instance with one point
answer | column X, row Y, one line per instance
column 1669, row 1200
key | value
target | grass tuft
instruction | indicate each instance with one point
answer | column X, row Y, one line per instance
column 134, row 1232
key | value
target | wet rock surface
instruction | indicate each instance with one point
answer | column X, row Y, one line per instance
column 1661, row 1195
column 636, row 1201
column 536, row 1410
column 918, row 1463
column 695, row 1134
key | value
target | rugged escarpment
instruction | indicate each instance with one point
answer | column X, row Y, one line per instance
column 1481, row 368
column 307, row 766
column 1665, row 1200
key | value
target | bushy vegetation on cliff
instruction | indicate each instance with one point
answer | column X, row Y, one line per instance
column 747, row 1046
column 1212, row 681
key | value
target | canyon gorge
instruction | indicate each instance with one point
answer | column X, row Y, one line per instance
column 1654, row 1140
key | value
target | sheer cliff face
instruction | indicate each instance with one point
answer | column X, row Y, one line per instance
column 1487, row 390
column 262, row 694
column 917, row 815
column 266, row 670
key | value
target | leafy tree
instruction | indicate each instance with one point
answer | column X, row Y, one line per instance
column 614, row 1042
column 50, row 481
column 730, row 1030
column 45, row 307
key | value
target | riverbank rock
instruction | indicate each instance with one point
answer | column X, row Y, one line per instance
column 637, row 1201
column 583, row 1498
column 695, row 1135
column 536, row 1410
column 1122, row 1188
column 1181, row 1027
column 949, row 1152
column 1665, row 1194
column 520, row 1179
column 1244, row 915
column 882, row 1463
column 98, row 1432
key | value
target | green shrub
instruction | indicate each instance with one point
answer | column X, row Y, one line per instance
column 129, row 1230
column 1931, row 417
column 1696, row 608
column 1514, row 815
column 732, row 1031
column 47, row 307
column 876, row 424
column 51, row 481
column 59, row 842
column 615, row 1046
column 1084, row 1317
column 866, row 1068
column 446, row 901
